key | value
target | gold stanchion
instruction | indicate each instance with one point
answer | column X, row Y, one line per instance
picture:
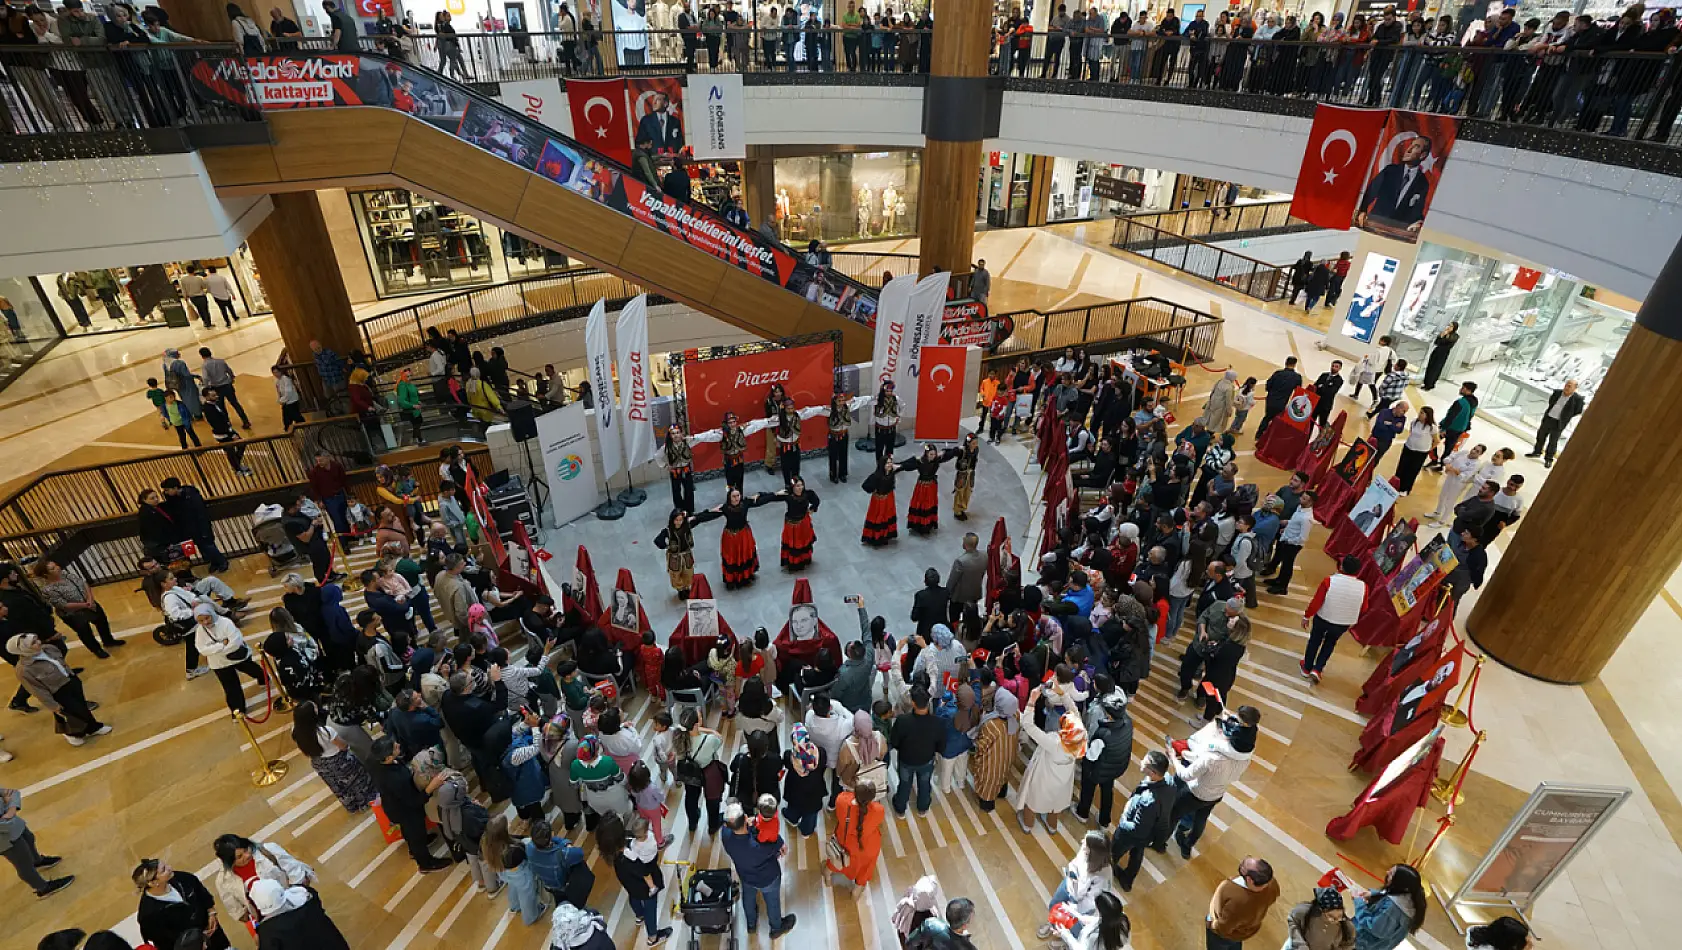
column 1447, row 790
column 283, row 701
column 1444, row 823
column 1454, row 715
column 272, row 770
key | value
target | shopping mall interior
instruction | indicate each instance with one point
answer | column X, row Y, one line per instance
column 318, row 218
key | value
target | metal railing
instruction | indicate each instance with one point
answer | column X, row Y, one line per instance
column 1250, row 219
column 1245, row 274
column 1110, row 327
column 872, row 268
column 57, row 89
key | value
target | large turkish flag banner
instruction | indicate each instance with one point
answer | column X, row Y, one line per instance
column 740, row 384
column 940, row 393
column 1334, row 167
column 600, row 120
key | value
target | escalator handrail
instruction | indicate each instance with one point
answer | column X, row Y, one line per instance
column 698, row 210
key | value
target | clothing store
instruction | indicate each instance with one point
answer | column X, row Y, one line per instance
column 1523, row 329
column 416, row 245
column 116, row 299
column 847, row 196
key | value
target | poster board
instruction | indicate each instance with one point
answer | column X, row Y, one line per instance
column 1549, row 829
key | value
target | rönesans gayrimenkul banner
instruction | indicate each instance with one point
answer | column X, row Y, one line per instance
column 922, row 328
column 599, row 362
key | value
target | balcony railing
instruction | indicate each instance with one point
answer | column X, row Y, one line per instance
column 1181, row 331
column 59, row 89
column 1214, row 223
column 1247, row 275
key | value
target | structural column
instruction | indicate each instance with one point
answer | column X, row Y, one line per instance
column 960, row 108
column 294, row 256
column 208, row 19
column 1605, row 533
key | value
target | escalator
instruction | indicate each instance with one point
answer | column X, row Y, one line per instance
column 351, row 121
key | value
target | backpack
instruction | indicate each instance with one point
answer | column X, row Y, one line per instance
column 688, row 771
column 474, row 818
column 1252, row 560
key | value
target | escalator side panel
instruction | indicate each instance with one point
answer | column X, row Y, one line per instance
column 580, row 227
column 445, row 165
column 337, row 142
column 693, row 274
column 757, row 305
column 240, row 165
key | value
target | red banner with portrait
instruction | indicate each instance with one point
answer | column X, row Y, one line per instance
column 1405, row 172
column 740, row 384
column 657, row 112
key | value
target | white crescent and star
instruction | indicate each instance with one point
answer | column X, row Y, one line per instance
column 601, row 131
column 1340, row 135
column 934, row 374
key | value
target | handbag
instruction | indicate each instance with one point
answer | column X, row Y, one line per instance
column 838, row 854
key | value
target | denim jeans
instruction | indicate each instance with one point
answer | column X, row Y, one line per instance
column 1322, row 639
column 1214, row 941
column 648, row 908
column 773, row 903
column 1176, row 614
column 807, row 823
column 924, row 776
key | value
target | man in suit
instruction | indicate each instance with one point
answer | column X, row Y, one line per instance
column 660, row 126
column 1563, row 406
column 1396, row 196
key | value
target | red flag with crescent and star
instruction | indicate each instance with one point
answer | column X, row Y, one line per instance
column 1335, row 164
column 600, row 119
column 940, row 393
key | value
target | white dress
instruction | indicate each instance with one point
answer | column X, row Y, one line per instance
column 1048, row 781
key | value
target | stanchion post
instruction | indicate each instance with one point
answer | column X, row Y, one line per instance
column 270, row 770
column 283, row 701
column 1447, row 790
column 1455, row 715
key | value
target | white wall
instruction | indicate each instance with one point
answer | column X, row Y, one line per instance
column 117, row 212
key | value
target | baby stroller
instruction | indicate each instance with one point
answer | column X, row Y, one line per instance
column 266, row 527
column 708, row 905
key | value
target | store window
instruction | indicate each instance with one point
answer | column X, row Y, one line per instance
column 856, row 196
column 1071, row 190
column 1522, row 332
column 1006, row 180
column 417, row 244
column 109, row 299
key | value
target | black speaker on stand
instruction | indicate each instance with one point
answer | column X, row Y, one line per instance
column 522, row 422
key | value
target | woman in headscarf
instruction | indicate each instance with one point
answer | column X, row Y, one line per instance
column 921, row 901
column 292, row 918
column 481, row 397
column 296, row 656
column 995, row 748
column 1049, row 777
column 479, row 621
column 600, row 780
column 858, row 830
column 958, row 707
column 863, row 755
column 803, row 786
column 941, row 657
column 575, row 928
column 558, row 748
column 1217, row 412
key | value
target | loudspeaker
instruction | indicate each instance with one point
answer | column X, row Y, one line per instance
column 522, row 418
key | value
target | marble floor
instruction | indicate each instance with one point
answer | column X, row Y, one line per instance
column 175, row 772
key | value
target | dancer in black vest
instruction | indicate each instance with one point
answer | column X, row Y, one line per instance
column 885, row 418
column 798, row 536
column 924, row 513
column 773, row 405
column 840, row 430
column 788, row 441
column 734, row 444
column 963, row 479
column 677, row 539
column 681, row 469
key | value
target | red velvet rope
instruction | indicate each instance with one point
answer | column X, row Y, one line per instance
column 268, row 697
column 1443, row 824
column 1465, row 770
column 1472, row 698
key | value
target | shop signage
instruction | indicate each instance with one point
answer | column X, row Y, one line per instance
column 1548, row 831
column 718, row 130
column 976, row 328
column 1119, row 189
column 739, row 384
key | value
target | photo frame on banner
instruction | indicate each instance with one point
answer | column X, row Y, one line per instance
column 1373, row 505
column 803, row 622
column 1440, row 555
column 1354, row 461
column 1406, row 653
column 492, row 130
column 1412, row 154
column 1396, row 546
column 703, row 617
column 625, row 612
column 657, row 112
column 1300, row 408
column 1422, row 694
column 1404, row 587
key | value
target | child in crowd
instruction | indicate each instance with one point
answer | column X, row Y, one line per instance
column 767, row 825
column 882, row 716
column 593, row 712
column 649, row 799
column 650, row 660
column 999, row 410
column 1024, row 409
column 989, row 389
column 361, row 519
column 1244, row 402
column 664, row 754
column 175, row 415
column 409, row 487
column 524, row 897
column 155, row 393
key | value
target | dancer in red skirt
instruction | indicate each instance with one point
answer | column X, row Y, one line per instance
column 798, row 536
column 737, row 547
column 924, row 514
column 881, row 519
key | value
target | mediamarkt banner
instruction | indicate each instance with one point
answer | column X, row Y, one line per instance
column 740, row 384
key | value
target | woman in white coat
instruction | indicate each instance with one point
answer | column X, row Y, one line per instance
column 1048, row 781
column 224, row 650
column 1458, row 470
column 245, row 861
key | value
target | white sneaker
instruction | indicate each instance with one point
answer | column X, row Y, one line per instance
column 5, row 756
column 196, row 673
column 102, row 731
column 74, row 740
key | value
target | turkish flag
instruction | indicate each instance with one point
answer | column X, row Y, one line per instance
column 940, row 393
column 600, row 117
column 1334, row 167
column 1526, row 278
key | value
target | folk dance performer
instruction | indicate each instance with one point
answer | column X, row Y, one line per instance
column 963, row 478
column 840, row 430
column 737, row 547
column 924, row 514
column 798, row 536
column 677, row 539
column 881, row 519
column 788, row 441
column 733, row 442
column 773, row 406
column 679, row 460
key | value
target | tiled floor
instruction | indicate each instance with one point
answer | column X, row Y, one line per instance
column 174, row 773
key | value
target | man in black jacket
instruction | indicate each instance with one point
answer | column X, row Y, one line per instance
column 415, row 725
column 916, row 737
column 1144, row 821
column 1326, row 388
column 1279, row 388
column 1109, row 749
column 1563, row 406
column 186, row 505
column 405, row 804
column 929, row 606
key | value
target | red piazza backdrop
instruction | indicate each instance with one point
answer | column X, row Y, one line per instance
column 739, row 384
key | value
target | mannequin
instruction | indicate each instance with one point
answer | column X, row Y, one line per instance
column 892, row 208
column 782, row 212
column 71, row 287
column 864, row 210
column 662, row 16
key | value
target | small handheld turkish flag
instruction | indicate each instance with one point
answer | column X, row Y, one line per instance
column 1334, row 167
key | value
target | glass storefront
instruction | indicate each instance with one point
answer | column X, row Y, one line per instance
column 1523, row 331
column 850, row 196
column 1004, row 189
column 109, row 299
column 416, row 245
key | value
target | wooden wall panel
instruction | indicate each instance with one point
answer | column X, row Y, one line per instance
column 294, row 253
column 547, row 210
column 442, row 163
column 963, row 34
column 240, row 165
column 946, row 209
column 677, row 267
column 1599, row 541
column 336, row 143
